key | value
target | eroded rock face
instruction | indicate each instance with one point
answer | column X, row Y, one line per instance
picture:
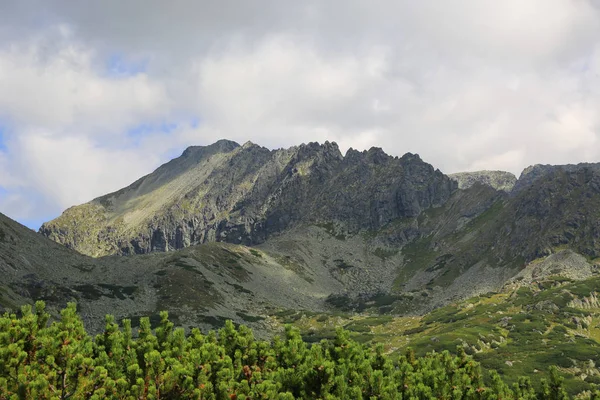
column 557, row 208
column 499, row 180
column 244, row 194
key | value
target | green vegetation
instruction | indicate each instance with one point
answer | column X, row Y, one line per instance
column 518, row 332
column 186, row 287
column 60, row 360
column 419, row 256
column 384, row 253
column 380, row 302
column 491, row 215
column 256, row 253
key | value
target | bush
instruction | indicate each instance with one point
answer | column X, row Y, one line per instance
column 39, row 360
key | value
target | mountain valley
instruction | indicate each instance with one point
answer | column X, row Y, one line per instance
column 388, row 247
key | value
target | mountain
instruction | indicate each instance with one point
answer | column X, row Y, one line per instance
column 545, row 314
column 246, row 194
column 534, row 172
column 379, row 233
column 387, row 247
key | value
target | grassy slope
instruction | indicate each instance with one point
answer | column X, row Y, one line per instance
column 520, row 331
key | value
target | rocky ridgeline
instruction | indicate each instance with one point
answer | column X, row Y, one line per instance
column 249, row 194
column 537, row 171
column 244, row 194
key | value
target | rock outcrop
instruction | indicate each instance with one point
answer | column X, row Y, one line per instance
column 499, row 180
column 537, row 171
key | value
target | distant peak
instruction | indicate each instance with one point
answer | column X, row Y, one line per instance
column 410, row 157
column 220, row 146
column 225, row 144
column 376, row 150
column 316, row 145
column 376, row 155
column 534, row 167
column 499, row 180
column 329, row 148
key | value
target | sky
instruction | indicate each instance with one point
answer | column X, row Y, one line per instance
column 94, row 95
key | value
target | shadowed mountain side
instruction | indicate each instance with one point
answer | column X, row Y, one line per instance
column 200, row 286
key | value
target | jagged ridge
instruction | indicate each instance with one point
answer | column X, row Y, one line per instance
column 244, row 194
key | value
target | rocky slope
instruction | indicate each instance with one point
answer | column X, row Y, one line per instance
column 200, row 285
column 482, row 237
column 543, row 318
column 246, row 194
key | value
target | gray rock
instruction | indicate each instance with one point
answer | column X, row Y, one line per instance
column 534, row 172
column 499, row 180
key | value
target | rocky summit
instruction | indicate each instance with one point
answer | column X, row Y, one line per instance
column 246, row 194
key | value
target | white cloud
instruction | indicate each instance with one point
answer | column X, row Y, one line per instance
column 468, row 84
column 57, row 166
column 63, row 91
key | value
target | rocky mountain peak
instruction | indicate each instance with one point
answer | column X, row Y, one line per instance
column 327, row 150
column 242, row 195
column 408, row 157
column 221, row 146
column 530, row 174
column 249, row 145
column 376, row 155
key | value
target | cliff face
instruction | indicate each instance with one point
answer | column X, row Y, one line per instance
column 559, row 207
column 557, row 210
column 244, row 194
column 537, row 171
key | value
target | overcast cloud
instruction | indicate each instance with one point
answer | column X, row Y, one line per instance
column 95, row 94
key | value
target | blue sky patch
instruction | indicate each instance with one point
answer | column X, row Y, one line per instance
column 118, row 65
column 138, row 132
column 3, row 137
column 34, row 224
